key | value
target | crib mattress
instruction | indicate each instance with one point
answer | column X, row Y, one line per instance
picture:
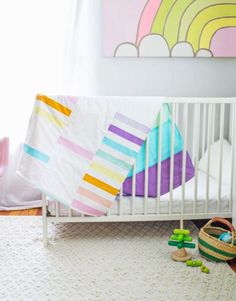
column 163, row 207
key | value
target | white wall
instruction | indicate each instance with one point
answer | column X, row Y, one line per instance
column 169, row 77
column 157, row 76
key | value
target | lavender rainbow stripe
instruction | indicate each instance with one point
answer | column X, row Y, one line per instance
column 75, row 148
column 126, row 135
column 165, row 177
column 86, row 209
column 133, row 123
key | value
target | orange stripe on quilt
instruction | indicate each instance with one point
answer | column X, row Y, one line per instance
column 54, row 104
column 100, row 184
column 93, row 196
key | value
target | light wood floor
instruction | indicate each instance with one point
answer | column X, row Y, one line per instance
column 31, row 212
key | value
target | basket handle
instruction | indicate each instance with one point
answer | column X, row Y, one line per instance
column 225, row 222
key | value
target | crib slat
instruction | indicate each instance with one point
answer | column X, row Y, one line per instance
column 177, row 114
column 146, row 177
column 69, row 212
column 185, row 129
column 204, row 129
column 133, row 189
column 172, row 157
column 209, row 129
column 222, row 118
column 213, row 122
column 44, row 219
column 196, row 150
column 158, row 200
column 57, row 209
column 120, row 201
column 232, row 122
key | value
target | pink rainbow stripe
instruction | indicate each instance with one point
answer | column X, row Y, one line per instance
column 86, row 209
column 75, row 148
column 93, row 196
column 146, row 20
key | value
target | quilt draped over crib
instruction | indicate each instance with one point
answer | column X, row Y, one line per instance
column 81, row 150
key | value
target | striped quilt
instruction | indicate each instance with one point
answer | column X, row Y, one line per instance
column 80, row 150
column 153, row 141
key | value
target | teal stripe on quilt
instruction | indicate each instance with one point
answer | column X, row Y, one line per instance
column 113, row 159
column 120, row 148
column 36, row 153
column 153, row 146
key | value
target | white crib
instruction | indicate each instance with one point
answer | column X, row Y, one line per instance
column 201, row 121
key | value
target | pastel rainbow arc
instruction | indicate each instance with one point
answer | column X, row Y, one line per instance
column 212, row 27
column 172, row 24
column 161, row 16
column 148, row 14
column 192, row 11
column 206, row 15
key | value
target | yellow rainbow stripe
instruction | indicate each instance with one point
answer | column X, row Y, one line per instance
column 201, row 20
column 193, row 11
column 211, row 27
column 48, row 116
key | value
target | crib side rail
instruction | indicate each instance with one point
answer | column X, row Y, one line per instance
column 201, row 123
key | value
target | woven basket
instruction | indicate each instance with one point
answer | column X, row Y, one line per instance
column 211, row 247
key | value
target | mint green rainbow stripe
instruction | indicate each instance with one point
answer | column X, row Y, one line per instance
column 160, row 18
column 172, row 24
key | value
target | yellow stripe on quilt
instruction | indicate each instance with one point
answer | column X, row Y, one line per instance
column 107, row 172
column 100, row 184
column 41, row 112
column 54, row 104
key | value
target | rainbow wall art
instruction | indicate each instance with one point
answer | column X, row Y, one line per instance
column 169, row 28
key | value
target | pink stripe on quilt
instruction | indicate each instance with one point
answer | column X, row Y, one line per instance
column 75, row 148
column 93, row 196
column 86, row 209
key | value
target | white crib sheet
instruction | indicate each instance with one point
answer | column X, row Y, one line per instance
column 177, row 197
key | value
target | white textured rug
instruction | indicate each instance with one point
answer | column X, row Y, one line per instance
column 113, row 261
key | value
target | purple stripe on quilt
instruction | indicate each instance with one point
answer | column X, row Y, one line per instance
column 165, row 177
column 133, row 123
column 126, row 135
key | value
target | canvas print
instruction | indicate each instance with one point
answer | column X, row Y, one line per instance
column 169, row 28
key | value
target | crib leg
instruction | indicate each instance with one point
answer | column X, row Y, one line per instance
column 44, row 219
column 181, row 224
